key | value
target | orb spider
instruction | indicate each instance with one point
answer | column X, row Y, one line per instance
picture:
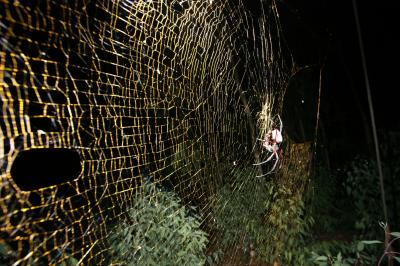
column 271, row 143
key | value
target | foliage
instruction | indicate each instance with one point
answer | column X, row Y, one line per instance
column 287, row 226
column 70, row 261
column 390, row 238
column 7, row 255
column 326, row 241
column 356, row 253
column 261, row 213
column 240, row 209
column 158, row 231
column 363, row 196
column 215, row 258
column 360, row 206
column 362, row 186
column 337, row 260
column 324, row 202
column 280, row 221
column 339, row 253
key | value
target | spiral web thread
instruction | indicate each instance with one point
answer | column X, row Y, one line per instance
column 164, row 90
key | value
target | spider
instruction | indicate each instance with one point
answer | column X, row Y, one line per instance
column 271, row 143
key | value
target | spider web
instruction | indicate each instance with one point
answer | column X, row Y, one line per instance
column 169, row 91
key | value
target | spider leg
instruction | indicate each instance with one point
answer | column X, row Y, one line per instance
column 273, row 167
column 280, row 124
column 269, row 159
column 276, row 162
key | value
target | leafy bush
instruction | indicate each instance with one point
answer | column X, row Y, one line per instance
column 362, row 186
column 337, row 260
column 240, row 209
column 158, row 231
column 266, row 215
column 288, row 225
column 363, row 196
column 341, row 253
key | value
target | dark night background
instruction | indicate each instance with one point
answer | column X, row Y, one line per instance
column 320, row 34
column 319, row 29
column 324, row 32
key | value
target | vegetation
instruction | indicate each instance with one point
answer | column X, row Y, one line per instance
column 7, row 255
column 357, row 214
column 158, row 230
column 261, row 215
column 333, row 221
column 336, row 222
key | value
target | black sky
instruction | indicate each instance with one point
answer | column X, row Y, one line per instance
column 318, row 29
column 331, row 23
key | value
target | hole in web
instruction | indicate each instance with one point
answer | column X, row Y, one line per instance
column 40, row 168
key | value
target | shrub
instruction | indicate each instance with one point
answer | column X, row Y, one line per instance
column 263, row 214
column 158, row 231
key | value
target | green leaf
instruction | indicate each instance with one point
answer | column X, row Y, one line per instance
column 360, row 246
column 371, row 242
column 71, row 261
column 395, row 234
column 397, row 258
column 321, row 258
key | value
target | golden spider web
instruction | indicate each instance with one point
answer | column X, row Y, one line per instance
column 164, row 89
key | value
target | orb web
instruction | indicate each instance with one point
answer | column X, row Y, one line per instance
column 169, row 92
